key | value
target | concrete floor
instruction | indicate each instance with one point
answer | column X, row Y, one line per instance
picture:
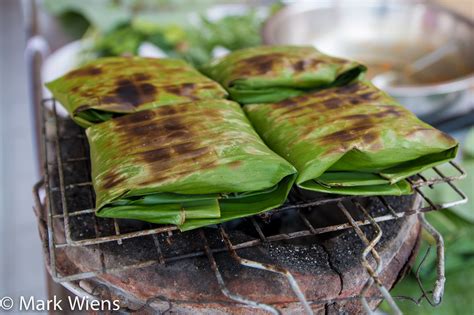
column 21, row 262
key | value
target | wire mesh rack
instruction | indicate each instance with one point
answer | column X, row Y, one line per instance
column 67, row 215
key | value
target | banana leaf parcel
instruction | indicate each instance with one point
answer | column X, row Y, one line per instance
column 273, row 73
column 110, row 87
column 353, row 139
column 191, row 165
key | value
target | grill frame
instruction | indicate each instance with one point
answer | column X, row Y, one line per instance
column 53, row 142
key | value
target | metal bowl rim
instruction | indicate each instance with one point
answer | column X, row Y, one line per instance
column 455, row 85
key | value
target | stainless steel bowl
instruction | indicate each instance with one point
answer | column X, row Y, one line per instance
column 390, row 38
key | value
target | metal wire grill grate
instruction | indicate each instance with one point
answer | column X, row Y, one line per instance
column 69, row 220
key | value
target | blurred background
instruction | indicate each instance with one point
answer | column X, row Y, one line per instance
column 420, row 53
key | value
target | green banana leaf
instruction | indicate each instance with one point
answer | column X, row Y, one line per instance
column 353, row 140
column 273, row 73
column 110, row 87
column 190, row 165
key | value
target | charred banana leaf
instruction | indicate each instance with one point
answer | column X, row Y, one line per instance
column 110, row 87
column 191, row 165
column 353, row 139
column 273, row 73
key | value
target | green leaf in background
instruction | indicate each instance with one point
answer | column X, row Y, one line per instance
column 121, row 41
column 104, row 15
column 233, row 31
column 353, row 140
column 459, row 265
column 110, row 87
column 273, row 73
column 457, row 299
column 443, row 193
column 180, row 28
column 468, row 149
column 456, row 226
column 191, row 165
column 74, row 24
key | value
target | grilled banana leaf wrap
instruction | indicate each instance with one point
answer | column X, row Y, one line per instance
column 190, row 165
column 111, row 87
column 352, row 140
column 273, row 73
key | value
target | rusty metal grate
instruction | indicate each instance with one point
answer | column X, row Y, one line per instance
column 69, row 220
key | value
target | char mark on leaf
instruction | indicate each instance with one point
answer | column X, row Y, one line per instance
column 289, row 102
column 185, row 89
column 332, row 103
column 350, row 88
column 342, row 136
column 113, row 179
column 370, row 137
column 84, row 72
column 361, row 127
column 235, row 164
column 212, row 113
column 188, row 86
column 148, row 129
column 347, row 135
column 138, row 117
column 368, row 96
column 387, row 111
column 109, row 99
column 141, row 77
column 169, row 110
column 190, row 149
column 208, row 86
column 128, row 92
column 300, row 65
column 445, row 137
column 81, row 108
column 356, row 117
column 157, row 155
column 173, row 124
column 260, row 64
column 354, row 100
column 290, row 111
column 148, row 89
column 305, row 64
column 171, row 129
